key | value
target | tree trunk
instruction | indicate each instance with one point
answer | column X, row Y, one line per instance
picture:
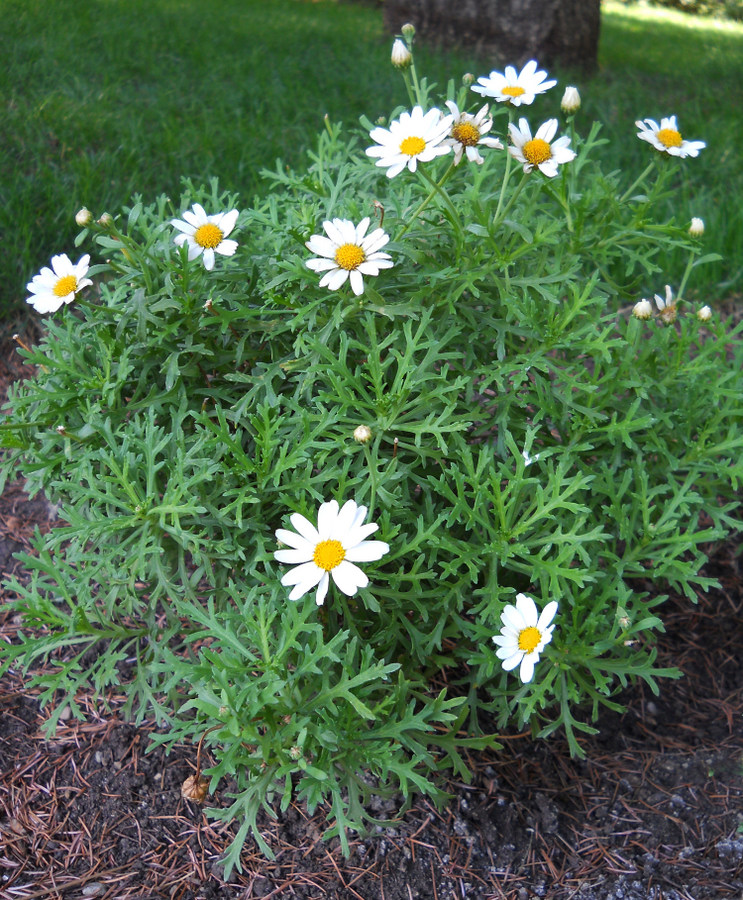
column 562, row 32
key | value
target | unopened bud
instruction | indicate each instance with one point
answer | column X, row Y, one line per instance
column 401, row 57
column 468, row 78
column 194, row 788
column 570, row 100
column 362, row 434
column 696, row 229
column 642, row 309
column 704, row 314
column 106, row 220
column 83, row 217
column 295, row 753
column 408, row 31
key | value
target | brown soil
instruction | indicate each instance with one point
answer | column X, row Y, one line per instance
column 652, row 813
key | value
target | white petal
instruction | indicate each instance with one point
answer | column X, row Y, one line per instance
column 344, row 521
column 304, row 527
column 547, row 615
column 510, row 662
column 322, row 589
column 334, row 280
column 357, row 282
column 297, row 541
column 526, row 672
column 208, row 258
column 367, row 551
column 326, row 518
column 321, row 265
column 512, row 619
column 321, row 245
column 547, row 130
column 294, row 557
column 349, row 578
column 228, row 220
column 528, row 609
column 226, row 248
column 308, row 574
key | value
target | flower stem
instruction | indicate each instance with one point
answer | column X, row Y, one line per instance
column 501, row 214
column 687, row 272
column 638, row 181
column 437, row 188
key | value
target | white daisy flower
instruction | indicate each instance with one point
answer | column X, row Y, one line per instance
column 348, row 252
column 330, row 549
column 53, row 287
column 206, row 234
column 524, row 635
column 666, row 308
column 512, row 87
column 467, row 133
column 414, row 137
column 667, row 138
column 540, row 151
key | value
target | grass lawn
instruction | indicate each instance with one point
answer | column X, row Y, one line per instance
column 104, row 98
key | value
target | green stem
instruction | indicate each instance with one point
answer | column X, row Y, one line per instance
column 500, row 215
column 436, row 187
column 685, row 278
column 640, row 178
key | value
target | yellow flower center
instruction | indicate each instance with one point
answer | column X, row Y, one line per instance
column 208, row 235
column 328, row 554
column 529, row 638
column 349, row 256
column 536, row 151
column 513, row 91
column 66, row 285
column 669, row 137
column 412, row 146
column 466, row 133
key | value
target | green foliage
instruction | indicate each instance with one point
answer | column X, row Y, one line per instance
column 720, row 9
column 528, row 434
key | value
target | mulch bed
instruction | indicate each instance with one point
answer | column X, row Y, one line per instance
column 652, row 813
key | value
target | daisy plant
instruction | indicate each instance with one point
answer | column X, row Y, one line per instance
column 394, row 479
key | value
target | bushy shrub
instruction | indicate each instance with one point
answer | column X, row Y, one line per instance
column 534, row 441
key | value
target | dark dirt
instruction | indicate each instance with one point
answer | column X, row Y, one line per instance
column 652, row 813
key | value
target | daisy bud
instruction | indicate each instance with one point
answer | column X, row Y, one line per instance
column 408, row 31
column 468, row 78
column 362, row 434
column 570, row 100
column 401, row 57
column 696, row 229
column 194, row 788
column 704, row 314
column 295, row 753
column 83, row 217
column 642, row 309
column 106, row 220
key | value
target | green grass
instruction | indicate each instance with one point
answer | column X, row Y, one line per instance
column 104, row 98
